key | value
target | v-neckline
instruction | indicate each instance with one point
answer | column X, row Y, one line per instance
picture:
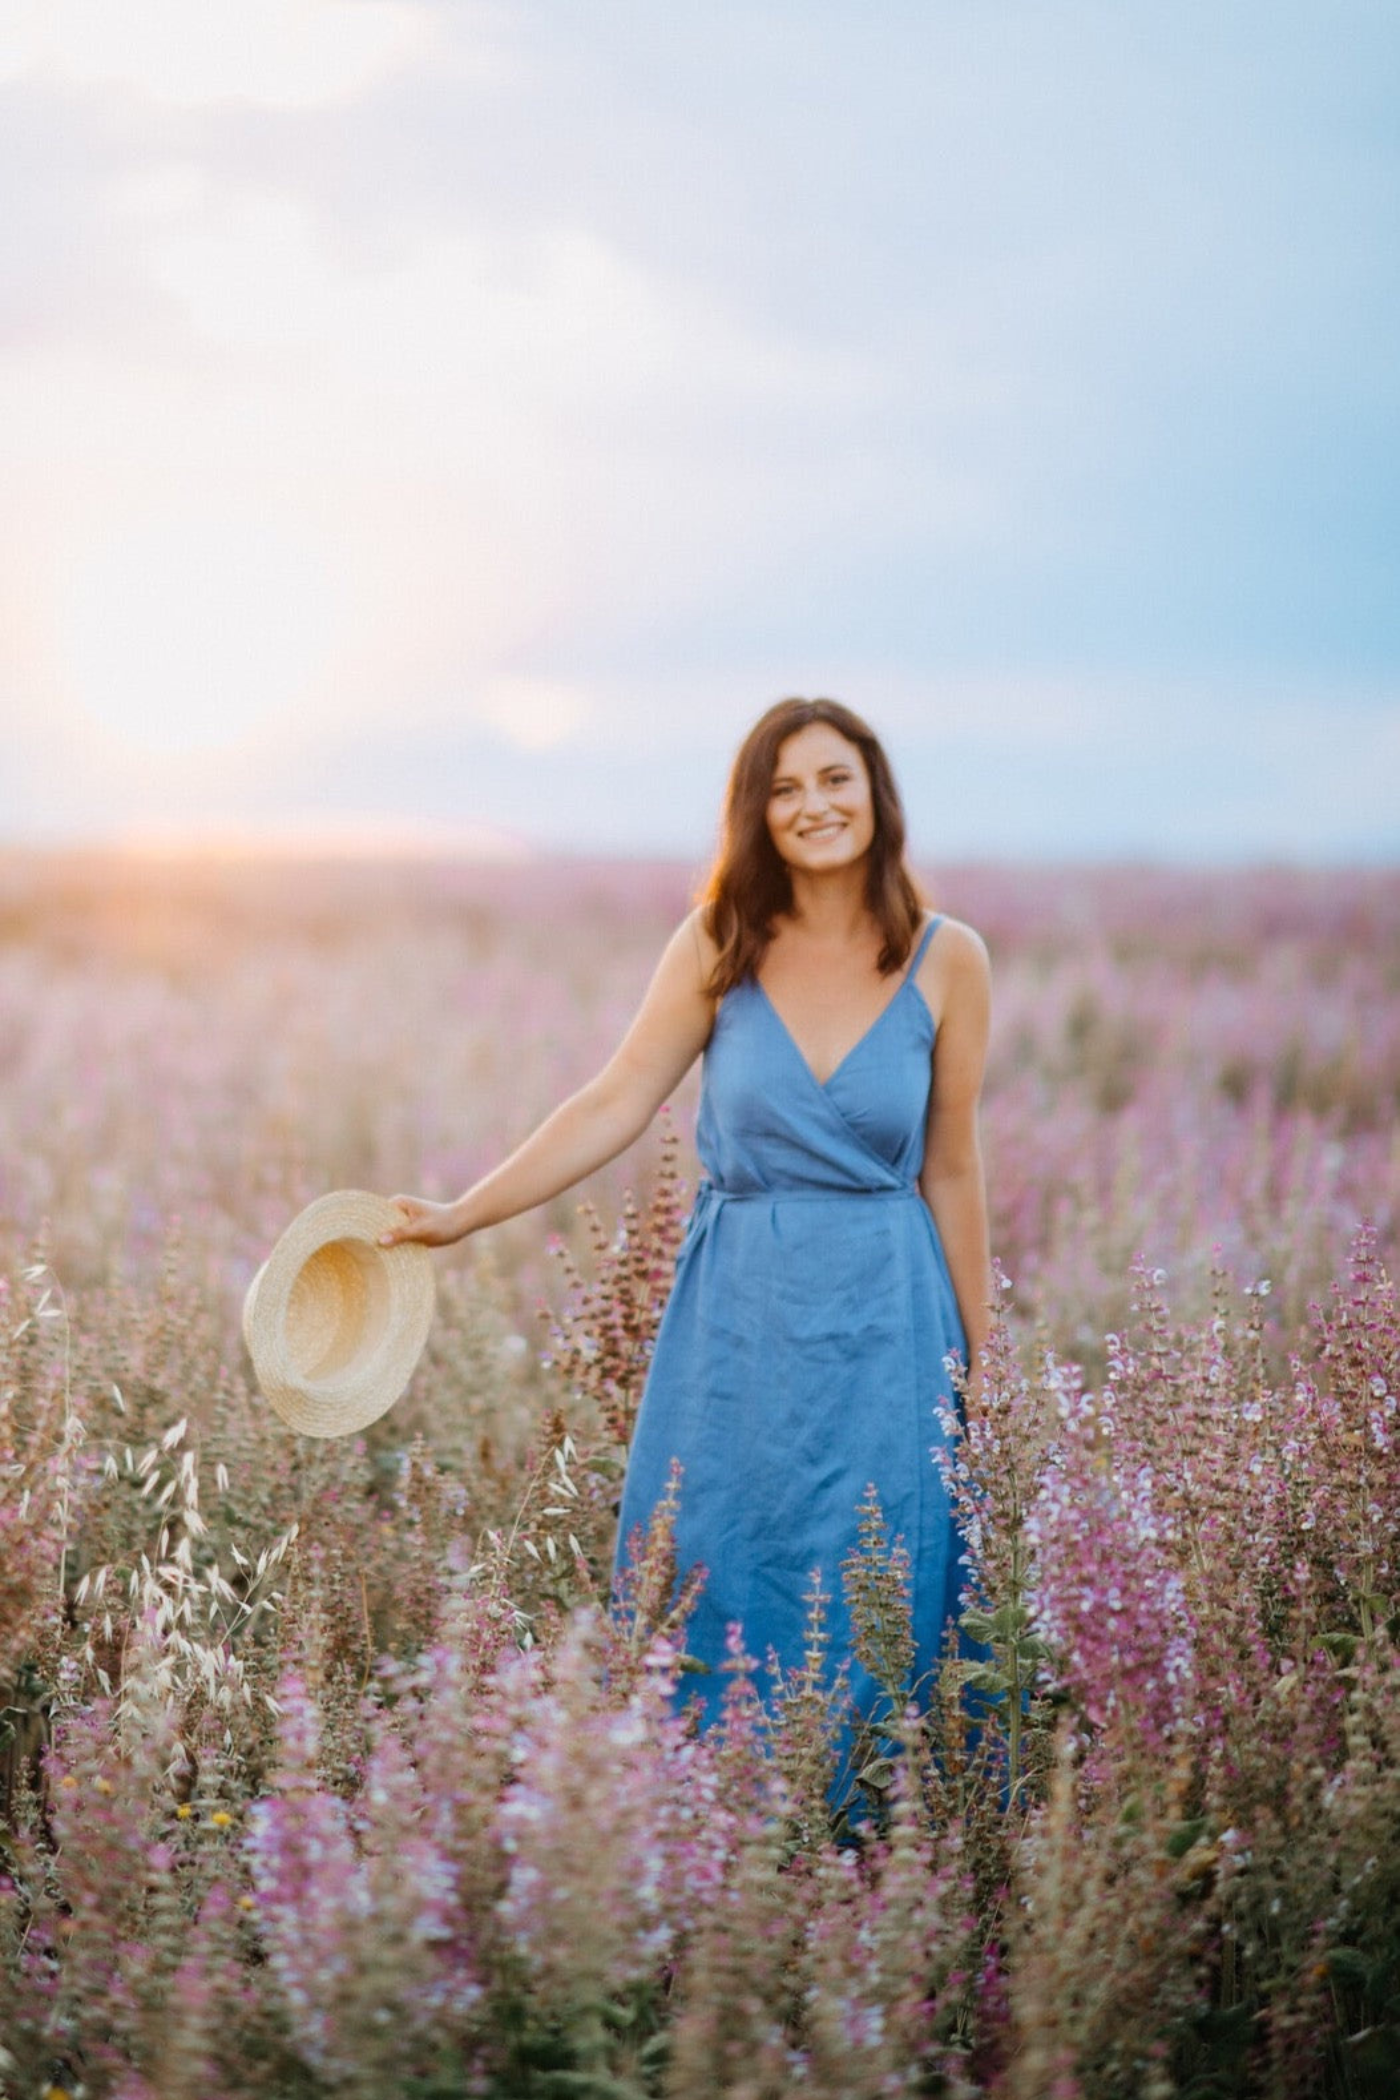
column 841, row 1063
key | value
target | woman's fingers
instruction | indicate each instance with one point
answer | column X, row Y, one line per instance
column 429, row 1224
column 411, row 1227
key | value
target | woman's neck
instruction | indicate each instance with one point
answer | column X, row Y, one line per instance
column 830, row 906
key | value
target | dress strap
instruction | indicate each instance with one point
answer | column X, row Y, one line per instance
column 919, row 953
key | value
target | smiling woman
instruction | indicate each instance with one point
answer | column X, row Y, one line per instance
column 189, row 632
column 834, row 1271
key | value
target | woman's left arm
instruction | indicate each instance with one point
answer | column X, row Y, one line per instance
column 952, row 1181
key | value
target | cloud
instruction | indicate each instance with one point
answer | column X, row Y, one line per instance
column 190, row 631
column 493, row 331
column 534, row 714
column 485, row 439
column 277, row 54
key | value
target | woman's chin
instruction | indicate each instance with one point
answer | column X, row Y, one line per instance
column 834, row 859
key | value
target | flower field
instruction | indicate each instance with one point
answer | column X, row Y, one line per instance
column 328, row 1769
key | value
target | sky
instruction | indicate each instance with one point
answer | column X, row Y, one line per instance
column 432, row 422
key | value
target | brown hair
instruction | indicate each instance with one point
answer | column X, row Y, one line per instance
column 749, row 885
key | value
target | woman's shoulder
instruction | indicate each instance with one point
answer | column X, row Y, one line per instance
column 957, row 943
column 955, row 962
column 692, row 948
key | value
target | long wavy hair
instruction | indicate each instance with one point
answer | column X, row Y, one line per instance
column 749, row 886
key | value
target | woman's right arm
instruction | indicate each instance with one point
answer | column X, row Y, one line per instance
column 603, row 1118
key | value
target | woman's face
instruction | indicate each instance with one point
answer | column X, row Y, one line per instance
column 821, row 814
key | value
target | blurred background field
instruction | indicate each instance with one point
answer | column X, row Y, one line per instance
column 1183, row 1062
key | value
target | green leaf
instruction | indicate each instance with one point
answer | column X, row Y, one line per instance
column 1224, row 2033
column 984, row 1677
column 977, row 1625
column 1345, row 1965
column 1007, row 1623
column 1186, row 1835
column 589, row 2085
column 1009, row 1620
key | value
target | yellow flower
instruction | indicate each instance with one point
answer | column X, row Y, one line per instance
column 67, row 1781
column 245, row 1903
column 56, row 2092
column 221, row 1819
column 102, row 1786
column 184, row 1811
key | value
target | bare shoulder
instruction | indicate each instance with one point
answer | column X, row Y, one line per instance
column 693, row 940
column 673, row 1022
column 956, row 970
column 962, row 948
column 687, row 961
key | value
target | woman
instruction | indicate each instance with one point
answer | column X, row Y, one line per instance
column 837, row 1253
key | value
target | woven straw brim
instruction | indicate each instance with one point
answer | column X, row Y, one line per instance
column 334, row 1323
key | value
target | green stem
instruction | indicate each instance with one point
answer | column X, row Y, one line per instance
column 1368, row 1623
column 1013, row 1725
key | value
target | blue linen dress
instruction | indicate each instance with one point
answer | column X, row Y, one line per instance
column 802, row 1349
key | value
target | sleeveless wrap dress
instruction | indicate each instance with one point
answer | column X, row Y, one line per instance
column 803, row 1346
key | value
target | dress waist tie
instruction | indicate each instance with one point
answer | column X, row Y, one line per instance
column 712, row 1192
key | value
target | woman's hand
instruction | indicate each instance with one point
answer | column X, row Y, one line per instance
column 427, row 1224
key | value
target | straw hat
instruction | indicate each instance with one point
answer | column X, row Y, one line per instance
column 335, row 1323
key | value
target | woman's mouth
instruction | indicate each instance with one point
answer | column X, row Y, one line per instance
column 818, row 832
